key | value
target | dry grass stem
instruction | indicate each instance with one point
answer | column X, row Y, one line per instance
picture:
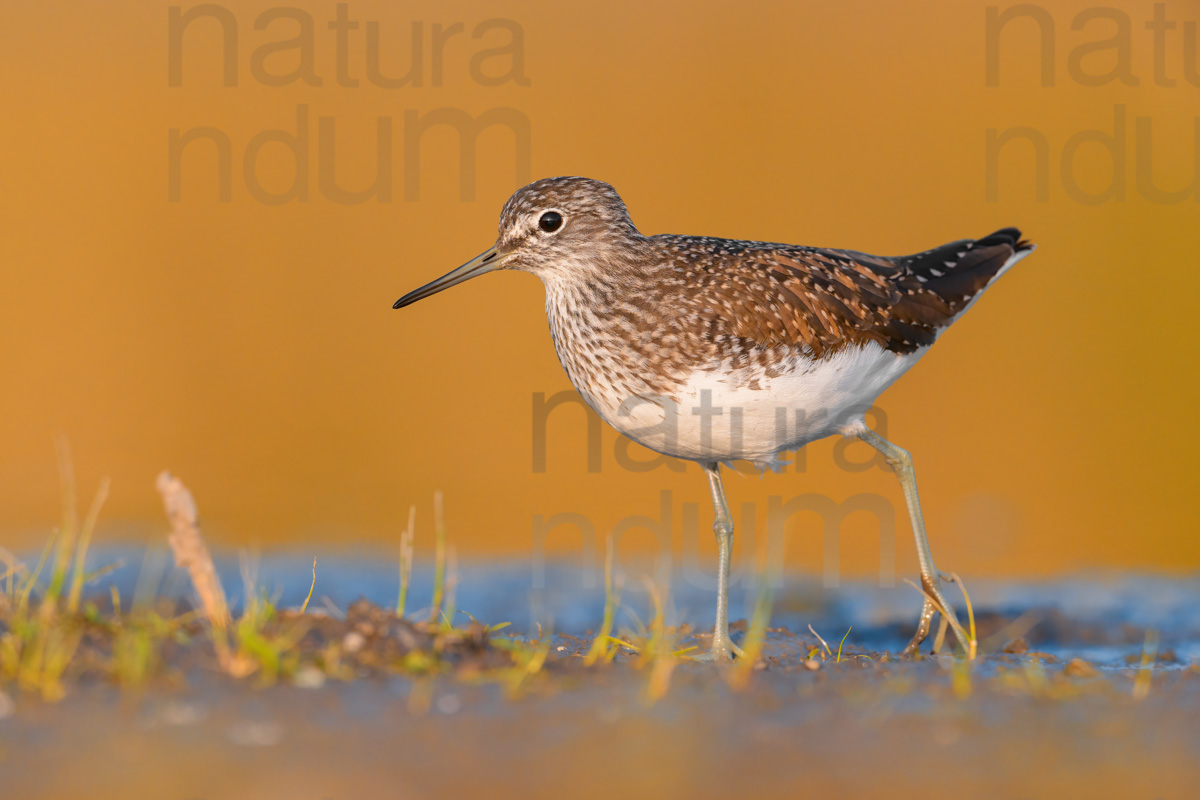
column 406, row 560
column 191, row 551
column 451, row 586
column 821, row 640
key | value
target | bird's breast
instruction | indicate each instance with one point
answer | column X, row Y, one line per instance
column 714, row 408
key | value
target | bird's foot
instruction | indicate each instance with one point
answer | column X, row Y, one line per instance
column 723, row 649
column 949, row 620
column 914, row 644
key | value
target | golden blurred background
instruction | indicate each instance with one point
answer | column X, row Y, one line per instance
column 249, row 346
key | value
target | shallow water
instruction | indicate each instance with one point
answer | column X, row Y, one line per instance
column 1102, row 618
column 1018, row 726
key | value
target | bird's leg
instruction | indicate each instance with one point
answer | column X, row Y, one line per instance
column 722, row 646
column 901, row 463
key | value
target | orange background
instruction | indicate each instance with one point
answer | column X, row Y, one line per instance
column 251, row 348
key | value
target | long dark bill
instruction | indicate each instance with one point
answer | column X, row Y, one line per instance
column 487, row 261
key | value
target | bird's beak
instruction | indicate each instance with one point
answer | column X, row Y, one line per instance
column 487, row 261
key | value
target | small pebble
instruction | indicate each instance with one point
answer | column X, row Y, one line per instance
column 255, row 734
column 449, row 704
column 1078, row 668
column 177, row 713
column 309, row 678
column 608, row 714
column 1017, row 646
column 353, row 642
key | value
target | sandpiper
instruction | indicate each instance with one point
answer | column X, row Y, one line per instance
column 716, row 350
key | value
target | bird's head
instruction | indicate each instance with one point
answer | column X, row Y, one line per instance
column 555, row 228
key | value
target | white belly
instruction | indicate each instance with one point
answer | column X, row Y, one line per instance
column 717, row 415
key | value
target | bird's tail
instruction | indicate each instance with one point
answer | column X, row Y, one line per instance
column 958, row 272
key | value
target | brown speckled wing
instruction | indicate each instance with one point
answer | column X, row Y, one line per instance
column 825, row 300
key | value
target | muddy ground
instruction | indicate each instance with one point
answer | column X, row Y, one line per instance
column 1069, row 698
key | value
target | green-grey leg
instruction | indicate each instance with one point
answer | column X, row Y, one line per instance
column 722, row 646
column 900, row 461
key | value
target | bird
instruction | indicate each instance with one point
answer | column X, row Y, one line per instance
column 782, row 344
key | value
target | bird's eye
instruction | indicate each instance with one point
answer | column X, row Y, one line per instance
column 550, row 221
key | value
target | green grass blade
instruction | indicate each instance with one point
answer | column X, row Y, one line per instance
column 312, row 586
column 85, row 541
column 439, row 567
